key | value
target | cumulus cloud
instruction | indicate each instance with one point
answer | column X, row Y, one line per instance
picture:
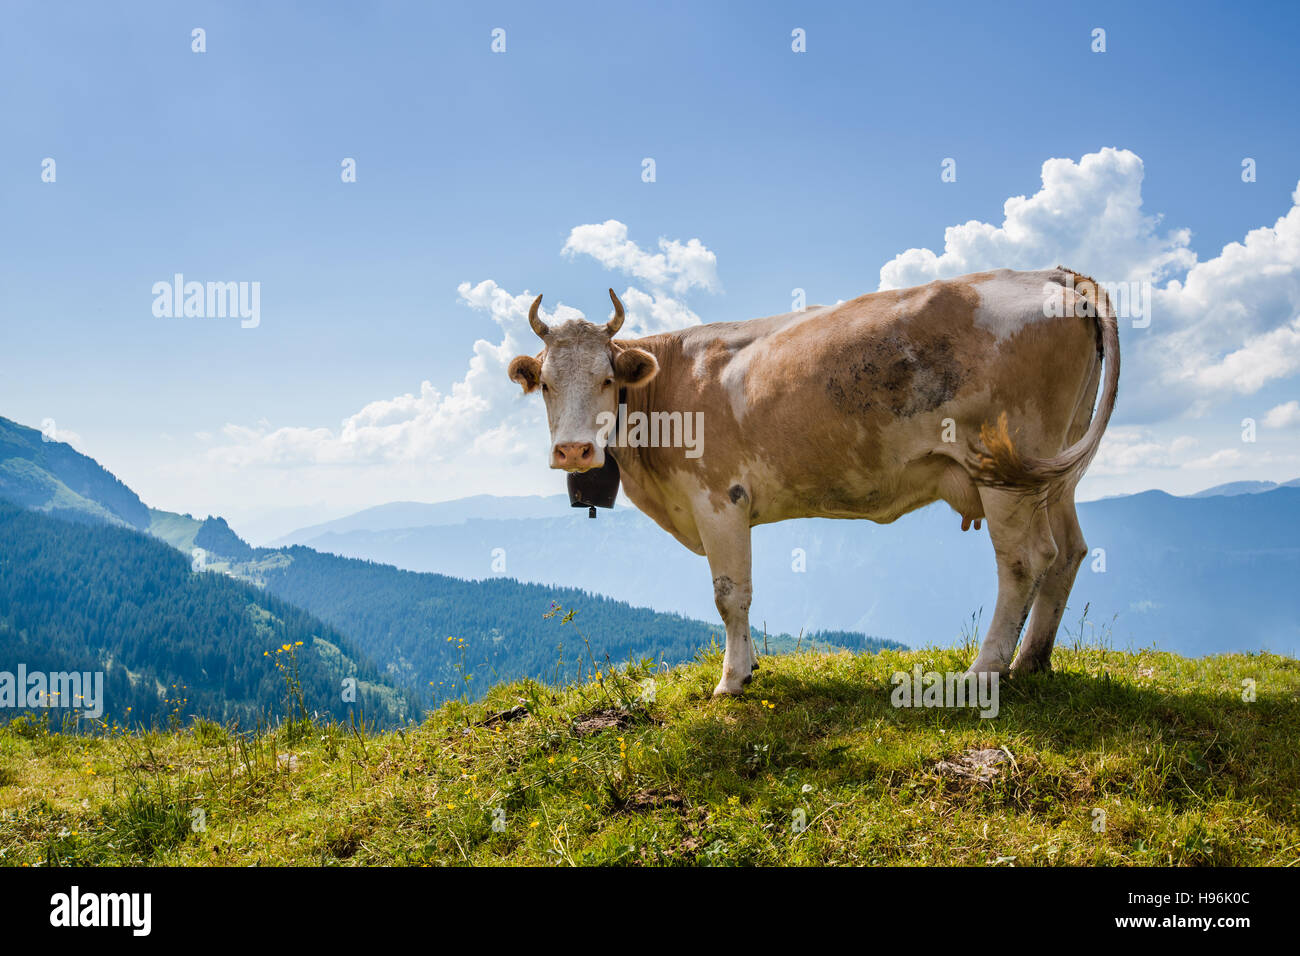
column 1128, row 452
column 1087, row 216
column 1125, row 451
column 1262, row 359
column 679, row 266
column 474, row 416
column 481, row 417
column 1286, row 415
column 1226, row 325
column 1223, row 458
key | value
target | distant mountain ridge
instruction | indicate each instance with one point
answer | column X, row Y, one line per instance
column 1232, row 488
column 405, row 515
column 53, row 476
column 215, row 535
column 410, row 514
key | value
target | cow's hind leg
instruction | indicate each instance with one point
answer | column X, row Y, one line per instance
column 1036, row 649
column 1025, row 549
column 726, row 542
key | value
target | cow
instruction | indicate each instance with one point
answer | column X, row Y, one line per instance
column 977, row 391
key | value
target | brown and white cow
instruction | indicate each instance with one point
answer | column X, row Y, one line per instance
column 977, row 391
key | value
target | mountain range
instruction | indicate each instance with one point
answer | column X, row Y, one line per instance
column 1244, row 488
column 397, row 515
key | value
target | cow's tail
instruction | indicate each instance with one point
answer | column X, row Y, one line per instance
column 998, row 464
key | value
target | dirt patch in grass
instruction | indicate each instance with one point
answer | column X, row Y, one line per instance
column 517, row 712
column 594, row 721
column 343, row 846
column 653, row 799
column 977, row 766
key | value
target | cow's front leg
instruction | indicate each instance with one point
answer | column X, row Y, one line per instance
column 725, row 538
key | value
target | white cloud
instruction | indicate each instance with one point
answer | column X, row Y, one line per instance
column 1262, row 359
column 1087, row 216
column 648, row 313
column 1223, row 458
column 1233, row 324
column 1135, row 452
column 479, row 414
column 677, row 266
column 1125, row 451
column 1286, row 415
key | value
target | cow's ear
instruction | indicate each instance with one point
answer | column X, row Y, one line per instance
column 526, row 370
column 633, row 367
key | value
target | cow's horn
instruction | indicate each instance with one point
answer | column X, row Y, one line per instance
column 538, row 325
column 616, row 323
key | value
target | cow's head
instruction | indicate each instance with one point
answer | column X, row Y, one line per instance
column 580, row 372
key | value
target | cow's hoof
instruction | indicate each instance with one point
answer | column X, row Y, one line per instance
column 730, row 690
column 1034, row 665
column 987, row 667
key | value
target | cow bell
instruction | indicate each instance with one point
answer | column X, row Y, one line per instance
column 597, row 488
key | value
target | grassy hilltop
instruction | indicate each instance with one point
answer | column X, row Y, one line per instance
column 1185, row 770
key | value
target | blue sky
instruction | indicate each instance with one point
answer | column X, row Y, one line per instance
column 811, row 170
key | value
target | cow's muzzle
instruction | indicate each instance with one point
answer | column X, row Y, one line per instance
column 574, row 455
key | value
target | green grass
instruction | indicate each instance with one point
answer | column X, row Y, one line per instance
column 41, row 490
column 1185, row 770
column 176, row 530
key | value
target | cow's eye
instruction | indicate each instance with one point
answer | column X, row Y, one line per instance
column 545, row 387
column 609, row 382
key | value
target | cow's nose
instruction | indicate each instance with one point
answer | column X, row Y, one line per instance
column 574, row 454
